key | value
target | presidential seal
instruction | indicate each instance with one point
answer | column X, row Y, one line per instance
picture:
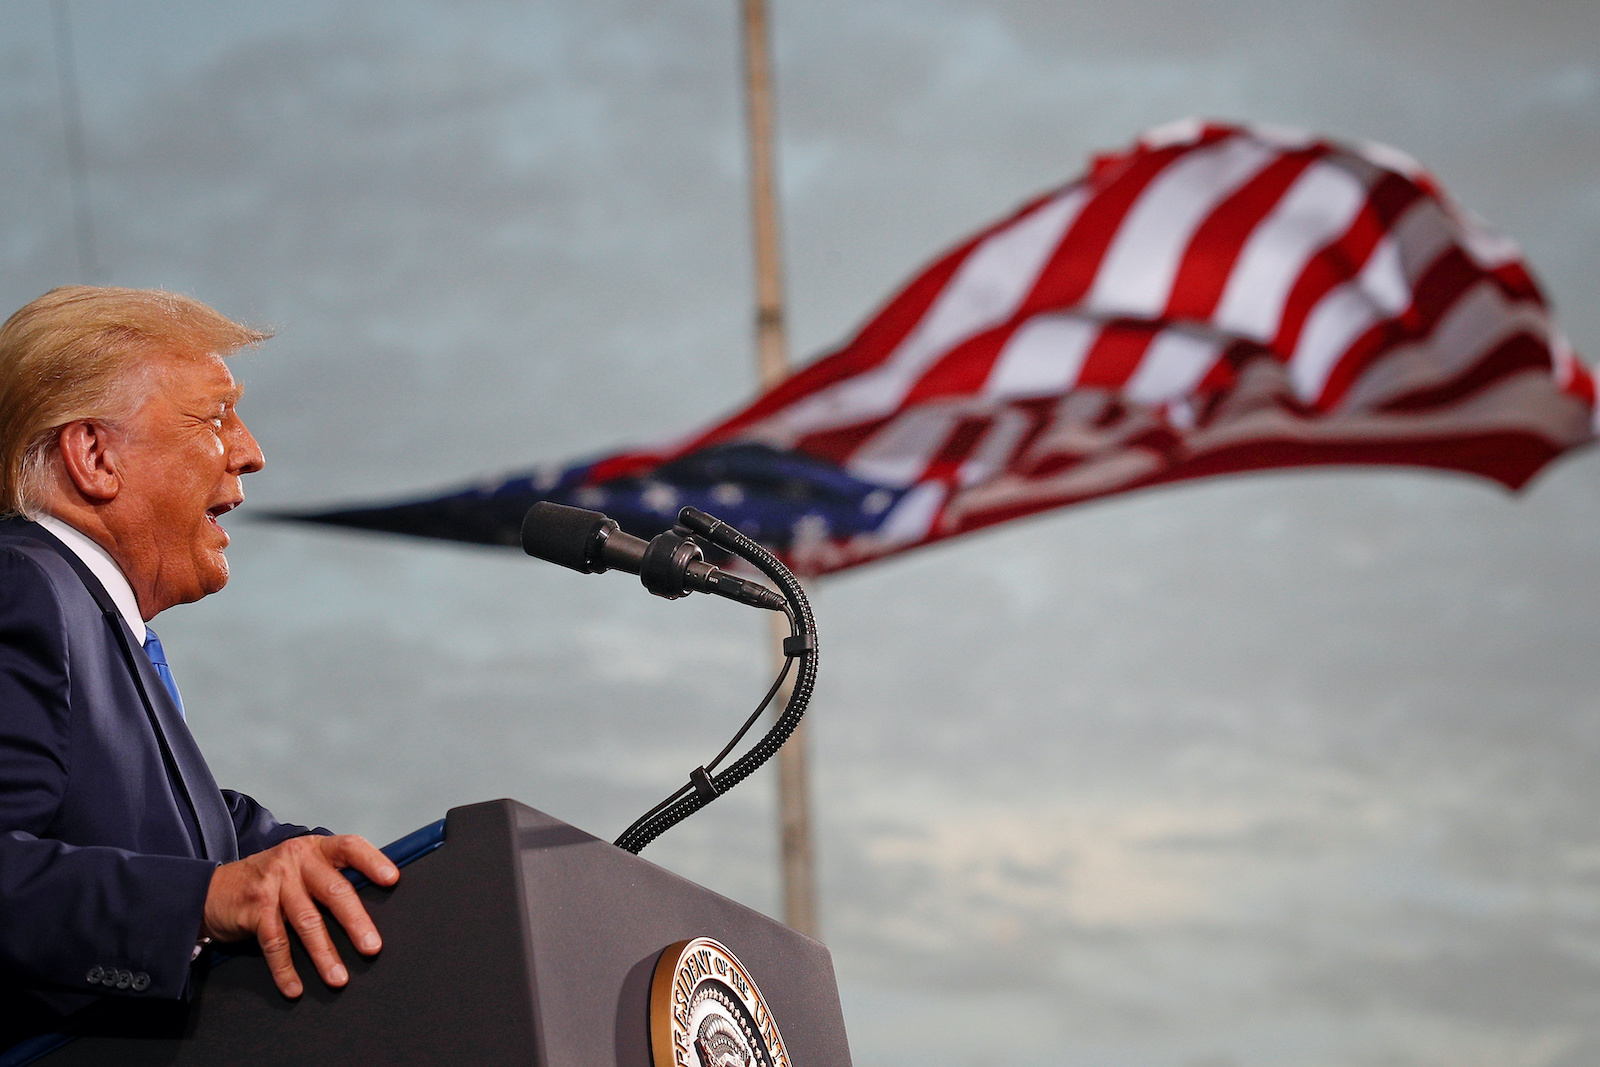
column 705, row 1011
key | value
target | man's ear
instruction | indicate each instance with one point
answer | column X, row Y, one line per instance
column 89, row 459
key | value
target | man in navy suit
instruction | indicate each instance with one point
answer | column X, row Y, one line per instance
column 120, row 448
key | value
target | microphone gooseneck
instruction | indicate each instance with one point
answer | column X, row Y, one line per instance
column 672, row 565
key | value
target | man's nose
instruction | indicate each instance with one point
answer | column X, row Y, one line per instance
column 244, row 454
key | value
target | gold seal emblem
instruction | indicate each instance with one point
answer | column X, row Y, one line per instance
column 705, row 1011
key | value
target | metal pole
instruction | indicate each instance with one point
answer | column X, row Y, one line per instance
column 794, row 807
column 771, row 347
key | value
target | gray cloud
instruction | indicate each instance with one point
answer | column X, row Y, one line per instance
column 1291, row 769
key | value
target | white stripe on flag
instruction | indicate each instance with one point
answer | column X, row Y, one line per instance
column 1176, row 132
column 1379, row 291
column 1383, row 277
column 1338, row 319
column 1172, row 366
column 1318, row 207
column 1390, row 158
column 899, row 452
column 912, row 518
column 1422, row 234
column 1488, row 247
column 1288, row 138
column 1043, row 357
column 993, row 453
column 1137, row 274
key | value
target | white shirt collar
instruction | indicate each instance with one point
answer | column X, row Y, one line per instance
column 100, row 563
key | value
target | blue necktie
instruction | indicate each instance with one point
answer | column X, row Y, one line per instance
column 158, row 657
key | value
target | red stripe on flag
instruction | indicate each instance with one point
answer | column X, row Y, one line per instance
column 1582, row 384
column 1071, row 270
column 837, row 445
column 956, row 449
column 1343, row 257
column 1203, row 273
column 627, row 465
column 1116, row 353
column 963, row 370
column 1516, row 282
column 1509, row 457
column 1520, row 352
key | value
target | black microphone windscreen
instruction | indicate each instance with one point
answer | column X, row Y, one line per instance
column 559, row 534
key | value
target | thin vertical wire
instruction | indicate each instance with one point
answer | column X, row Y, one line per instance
column 77, row 155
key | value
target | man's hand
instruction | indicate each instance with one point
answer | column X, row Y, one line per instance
column 261, row 893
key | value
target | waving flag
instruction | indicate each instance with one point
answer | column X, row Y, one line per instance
column 1214, row 299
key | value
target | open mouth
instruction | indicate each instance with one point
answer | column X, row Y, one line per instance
column 216, row 511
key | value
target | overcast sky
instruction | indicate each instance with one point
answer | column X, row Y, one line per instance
column 1293, row 769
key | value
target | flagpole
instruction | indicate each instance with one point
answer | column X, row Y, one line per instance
column 772, row 360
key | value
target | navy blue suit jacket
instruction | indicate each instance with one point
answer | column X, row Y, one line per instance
column 110, row 822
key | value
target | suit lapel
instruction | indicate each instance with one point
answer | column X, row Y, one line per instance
column 218, row 841
column 185, row 764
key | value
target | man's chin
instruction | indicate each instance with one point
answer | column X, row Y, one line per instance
column 210, row 575
column 215, row 576
column 203, row 581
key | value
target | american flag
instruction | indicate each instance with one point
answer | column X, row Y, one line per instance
column 1214, row 299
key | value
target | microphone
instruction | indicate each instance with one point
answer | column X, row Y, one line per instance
column 669, row 565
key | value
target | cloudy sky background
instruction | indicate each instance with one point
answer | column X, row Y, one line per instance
column 1290, row 769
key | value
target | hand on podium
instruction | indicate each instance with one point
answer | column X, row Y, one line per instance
column 265, row 894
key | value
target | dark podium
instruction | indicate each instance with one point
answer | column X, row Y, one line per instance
column 520, row 940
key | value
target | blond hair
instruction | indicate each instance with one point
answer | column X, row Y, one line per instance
column 78, row 352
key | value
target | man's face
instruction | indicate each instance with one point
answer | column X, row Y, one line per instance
column 180, row 459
